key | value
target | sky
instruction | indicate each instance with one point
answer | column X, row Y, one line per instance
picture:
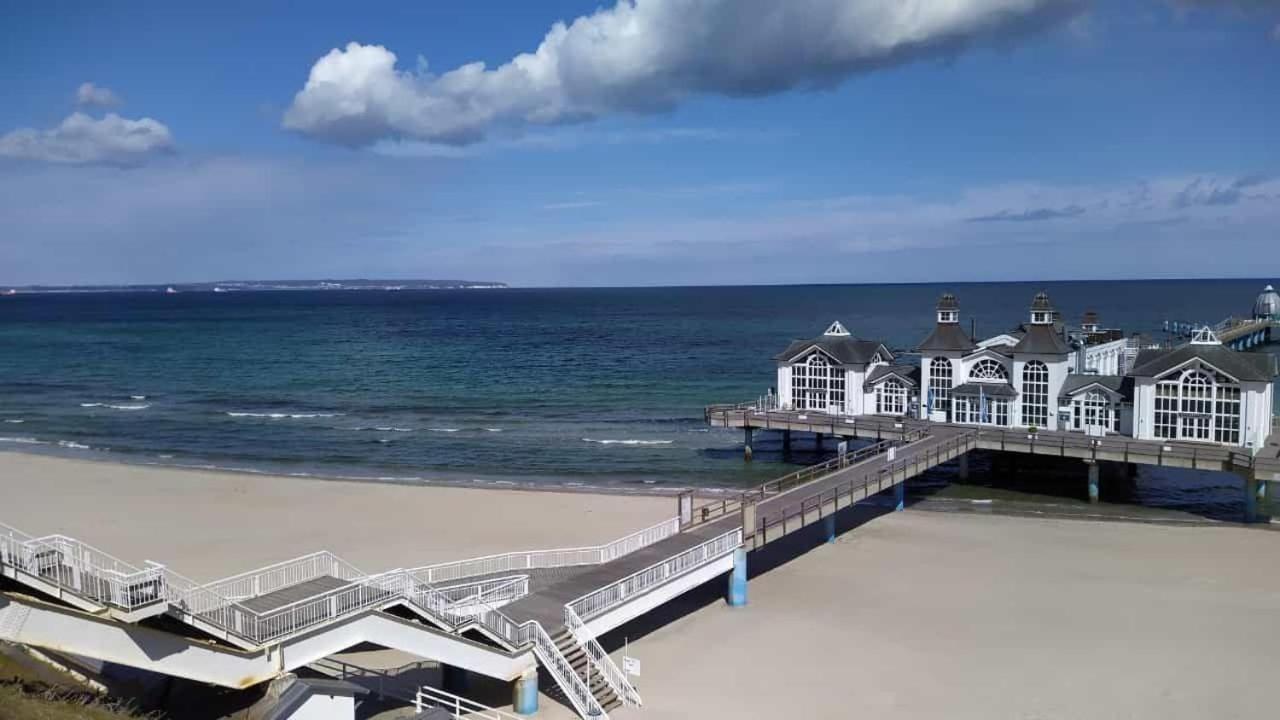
column 651, row 142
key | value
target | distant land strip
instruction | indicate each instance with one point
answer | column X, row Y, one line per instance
column 255, row 285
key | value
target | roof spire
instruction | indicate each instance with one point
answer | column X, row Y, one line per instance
column 1041, row 309
column 836, row 330
column 948, row 310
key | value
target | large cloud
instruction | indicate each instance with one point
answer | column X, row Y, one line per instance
column 89, row 95
column 646, row 56
column 83, row 140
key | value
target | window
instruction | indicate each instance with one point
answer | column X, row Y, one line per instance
column 891, row 398
column 988, row 370
column 1196, row 405
column 1094, row 409
column 816, row 384
column 1035, row 394
column 940, row 383
column 968, row 410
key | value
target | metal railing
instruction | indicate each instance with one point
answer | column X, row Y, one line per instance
column 387, row 683
column 537, row 559
column 813, row 505
column 459, row 707
column 261, row 581
column 600, row 660
column 606, row 598
column 82, row 570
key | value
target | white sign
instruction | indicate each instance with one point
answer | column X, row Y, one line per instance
column 843, row 448
column 893, row 453
column 631, row 666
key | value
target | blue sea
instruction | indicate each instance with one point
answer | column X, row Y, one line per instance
column 564, row 388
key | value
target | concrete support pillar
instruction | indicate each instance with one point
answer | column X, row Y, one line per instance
column 746, row 444
column 737, row 595
column 900, row 495
column 829, row 527
column 1255, row 496
column 964, row 466
column 786, row 441
column 524, row 693
column 817, row 441
column 1093, row 479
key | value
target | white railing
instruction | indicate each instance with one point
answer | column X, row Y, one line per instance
column 283, row 574
column 610, row 596
column 609, row 671
column 459, row 707
column 495, row 592
column 82, row 569
column 577, row 690
column 535, row 559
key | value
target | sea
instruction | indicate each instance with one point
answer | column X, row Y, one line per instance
column 582, row 388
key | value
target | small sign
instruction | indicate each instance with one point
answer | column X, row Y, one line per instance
column 893, row 453
column 631, row 666
column 843, row 448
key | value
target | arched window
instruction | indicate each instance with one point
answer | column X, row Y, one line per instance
column 1196, row 405
column 988, row 370
column 891, row 397
column 1035, row 394
column 940, row 383
column 1094, row 410
column 816, row 384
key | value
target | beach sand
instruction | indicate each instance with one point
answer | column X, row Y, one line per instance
column 910, row 615
column 207, row 525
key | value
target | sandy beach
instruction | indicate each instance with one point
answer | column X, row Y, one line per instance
column 911, row 615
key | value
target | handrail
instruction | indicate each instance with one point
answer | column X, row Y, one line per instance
column 82, row 569
column 561, row 557
column 613, row 677
column 269, row 578
column 598, row 601
column 459, row 706
column 422, row 696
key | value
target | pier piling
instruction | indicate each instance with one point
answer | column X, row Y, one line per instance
column 1255, row 495
column 746, row 444
column 1092, row 465
column 737, row 595
column 964, row 466
column 524, row 693
column 900, row 495
column 786, row 441
column 829, row 527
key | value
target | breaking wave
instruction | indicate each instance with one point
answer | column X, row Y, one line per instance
column 283, row 415
column 628, row 442
column 448, row 430
column 23, row 440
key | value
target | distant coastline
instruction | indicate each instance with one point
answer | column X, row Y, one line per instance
column 262, row 285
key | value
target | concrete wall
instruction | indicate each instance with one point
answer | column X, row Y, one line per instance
column 325, row 707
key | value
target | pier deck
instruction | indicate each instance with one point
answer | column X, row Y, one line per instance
column 1266, row 462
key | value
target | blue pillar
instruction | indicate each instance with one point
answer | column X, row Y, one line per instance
column 738, row 579
column 1093, row 480
column 900, row 495
column 829, row 527
column 524, row 693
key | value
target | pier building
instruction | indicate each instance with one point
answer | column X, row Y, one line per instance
column 1041, row 377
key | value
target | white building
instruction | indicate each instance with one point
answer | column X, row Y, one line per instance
column 1035, row 377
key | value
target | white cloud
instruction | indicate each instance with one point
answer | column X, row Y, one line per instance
column 647, row 56
column 90, row 95
column 83, row 140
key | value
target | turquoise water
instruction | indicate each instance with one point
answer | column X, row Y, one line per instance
column 564, row 387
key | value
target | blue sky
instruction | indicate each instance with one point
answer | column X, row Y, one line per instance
column 665, row 142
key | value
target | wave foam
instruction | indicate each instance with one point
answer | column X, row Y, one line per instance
column 73, row 445
column 282, row 416
column 139, row 406
column 493, row 429
column 628, row 442
column 16, row 421
column 448, row 430
column 137, row 397
column 23, row 440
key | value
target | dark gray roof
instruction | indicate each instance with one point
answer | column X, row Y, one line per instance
column 1041, row 302
column 846, row 350
column 909, row 373
column 1244, row 366
column 1003, row 390
column 1076, row 382
column 1041, row 340
column 947, row 336
column 948, row 302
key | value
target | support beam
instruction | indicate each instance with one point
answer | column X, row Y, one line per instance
column 786, row 441
column 1092, row 465
column 746, row 444
column 964, row 466
column 524, row 693
column 829, row 527
column 737, row 595
column 817, row 441
column 900, row 495
column 1255, row 496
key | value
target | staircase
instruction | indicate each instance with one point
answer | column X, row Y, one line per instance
column 577, row 656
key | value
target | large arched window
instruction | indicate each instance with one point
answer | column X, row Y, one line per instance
column 817, row 384
column 1197, row 405
column 988, row 370
column 939, row 383
column 891, row 397
column 1035, row 394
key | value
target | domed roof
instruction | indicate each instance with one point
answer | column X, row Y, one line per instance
column 1268, row 304
column 948, row 302
column 1041, row 302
